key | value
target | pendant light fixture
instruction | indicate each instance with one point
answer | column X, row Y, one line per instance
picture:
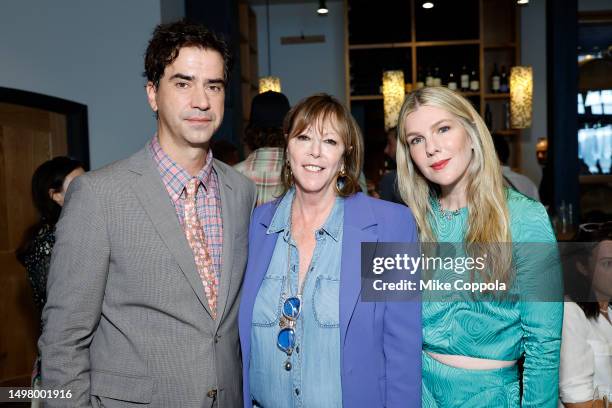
column 322, row 9
column 269, row 83
column 393, row 96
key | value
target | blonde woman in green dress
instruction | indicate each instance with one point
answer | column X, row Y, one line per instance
column 449, row 175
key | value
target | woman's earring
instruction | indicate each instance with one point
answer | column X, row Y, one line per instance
column 340, row 180
column 288, row 174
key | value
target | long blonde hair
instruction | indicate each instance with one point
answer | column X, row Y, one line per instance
column 488, row 226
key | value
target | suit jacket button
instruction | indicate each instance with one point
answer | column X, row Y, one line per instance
column 212, row 393
column 217, row 338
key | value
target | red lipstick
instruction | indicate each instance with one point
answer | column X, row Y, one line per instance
column 440, row 164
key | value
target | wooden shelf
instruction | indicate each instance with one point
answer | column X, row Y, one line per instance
column 498, row 46
column 497, row 96
column 380, row 97
column 596, row 179
column 496, row 40
column 366, row 97
column 446, row 43
column 379, row 46
column 413, row 44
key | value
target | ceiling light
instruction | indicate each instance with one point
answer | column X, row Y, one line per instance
column 428, row 5
column 522, row 1
column 270, row 82
column 322, row 9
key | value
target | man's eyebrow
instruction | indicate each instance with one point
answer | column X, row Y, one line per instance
column 182, row 76
column 216, row 81
column 192, row 78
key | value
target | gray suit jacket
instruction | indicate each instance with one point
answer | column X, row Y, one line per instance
column 126, row 321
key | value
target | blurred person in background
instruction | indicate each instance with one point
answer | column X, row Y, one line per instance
column 264, row 138
column 515, row 180
column 225, row 151
column 50, row 182
column 586, row 343
column 388, row 183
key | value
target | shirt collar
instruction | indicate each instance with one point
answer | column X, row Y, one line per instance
column 174, row 176
column 280, row 220
column 270, row 153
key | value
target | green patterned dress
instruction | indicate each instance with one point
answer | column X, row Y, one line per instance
column 499, row 330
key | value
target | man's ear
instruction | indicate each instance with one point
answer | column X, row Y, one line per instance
column 151, row 95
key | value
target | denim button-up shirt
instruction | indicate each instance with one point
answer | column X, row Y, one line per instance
column 314, row 379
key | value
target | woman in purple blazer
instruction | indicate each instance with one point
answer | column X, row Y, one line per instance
column 308, row 339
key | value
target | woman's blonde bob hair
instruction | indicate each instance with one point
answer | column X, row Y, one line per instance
column 316, row 110
column 488, row 220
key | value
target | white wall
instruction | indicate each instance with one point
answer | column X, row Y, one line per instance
column 89, row 52
column 304, row 69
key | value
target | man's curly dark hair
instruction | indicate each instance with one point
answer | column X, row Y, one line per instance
column 257, row 136
column 167, row 41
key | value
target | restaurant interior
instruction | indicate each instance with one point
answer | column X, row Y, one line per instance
column 538, row 71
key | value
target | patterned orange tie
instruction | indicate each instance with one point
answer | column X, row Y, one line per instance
column 197, row 241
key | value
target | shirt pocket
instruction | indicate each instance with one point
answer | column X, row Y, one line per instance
column 267, row 309
column 326, row 303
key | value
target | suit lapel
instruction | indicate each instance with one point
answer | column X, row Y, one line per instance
column 228, row 212
column 359, row 226
column 155, row 200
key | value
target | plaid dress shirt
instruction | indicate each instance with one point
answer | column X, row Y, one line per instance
column 175, row 179
column 263, row 167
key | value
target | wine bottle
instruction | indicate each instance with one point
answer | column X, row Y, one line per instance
column 465, row 79
column 429, row 79
column 495, row 80
column 452, row 81
column 474, row 82
column 503, row 81
column 437, row 79
column 420, row 80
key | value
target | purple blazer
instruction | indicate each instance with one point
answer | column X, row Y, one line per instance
column 380, row 341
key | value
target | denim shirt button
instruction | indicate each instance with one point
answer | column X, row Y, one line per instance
column 297, row 391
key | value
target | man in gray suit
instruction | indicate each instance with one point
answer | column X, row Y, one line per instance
column 146, row 272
